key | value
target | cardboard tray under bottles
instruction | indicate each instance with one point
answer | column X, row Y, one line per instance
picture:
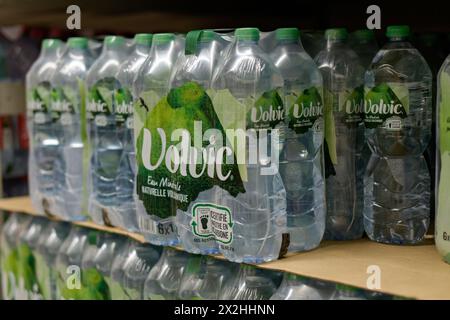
column 408, row 271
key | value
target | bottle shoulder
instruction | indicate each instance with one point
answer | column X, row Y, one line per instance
column 399, row 64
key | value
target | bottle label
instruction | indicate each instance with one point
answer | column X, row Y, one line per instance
column 212, row 221
column 386, row 106
column 65, row 104
column 351, row 103
column 91, row 286
column 43, row 276
column 28, row 286
column 305, row 110
column 442, row 233
column 124, row 107
column 266, row 112
column 38, row 102
column 181, row 150
column 9, row 271
column 101, row 101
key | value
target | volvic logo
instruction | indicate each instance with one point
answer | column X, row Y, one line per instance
column 61, row 106
column 383, row 108
column 197, row 160
column 96, row 106
column 260, row 114
column 124, row 108
column 311, row 110
column 36, row 105
column 354, row 106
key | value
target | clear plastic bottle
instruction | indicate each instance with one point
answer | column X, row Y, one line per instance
column 69, row 261
column 125, row 209
column 9, row 254
column 398, row 129
column 301, row 160
column 49, row 243
column 116, row 278
column 111, row 247
column 140, row 261
column 164, row 279
column 365, row 45
column 105, row 143
column 69, row 128
column 249, row 283
column 344, row 292
column 344, row 136
column 204, row 277
column 198, row 66
column 43, row 143
column 442, row 228
column 153, row 81
column 29, row 282
column 295, row 287
column 257, row 215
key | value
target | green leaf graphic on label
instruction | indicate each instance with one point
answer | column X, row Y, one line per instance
column 64, row 101
column 101, row 97
column 444, row 112
column 305, row 111
column 124, row 105
column 38, row 102
column 93, row 287
column 27, row 269
column 267, row 111
column 353, row 107
column 382, row 108
column 169, row 177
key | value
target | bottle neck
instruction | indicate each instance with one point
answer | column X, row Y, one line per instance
column 400, row 42
column 50, row 52
column 142, row 49
column 336, row 43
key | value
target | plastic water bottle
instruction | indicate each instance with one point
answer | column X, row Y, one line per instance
column 125, row 210
column 49, row 243
column 106, row 145
column 69, row 260
column 344, row 136
column 203, row 52
column 28, row 283
column 9, row 255
column 250, row 283
column 301, row 160
column 156, row 220
column 442, row 228
column 93, row 282
column 295, row 287
column 111, row 248
column 398, row 129
column 43, row 143
column 365, row 45
column 116, row 278
column 68, row 123
column 204, row 278
column 141, row 259
column 248, row 80
column 164, row 279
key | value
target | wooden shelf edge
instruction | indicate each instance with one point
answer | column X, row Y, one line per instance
column 408, row 271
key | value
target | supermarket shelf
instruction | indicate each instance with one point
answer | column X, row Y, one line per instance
column 408, row 271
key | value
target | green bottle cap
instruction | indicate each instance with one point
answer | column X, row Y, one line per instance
column 287, row 34
column 336, row 34
column 114, row 41
column 207, row 36
column 143, row 38
column 51, row 43
column 77, row 42
column 247, row 34
column 364, row 35
column 397, row 31
column 161, row 38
